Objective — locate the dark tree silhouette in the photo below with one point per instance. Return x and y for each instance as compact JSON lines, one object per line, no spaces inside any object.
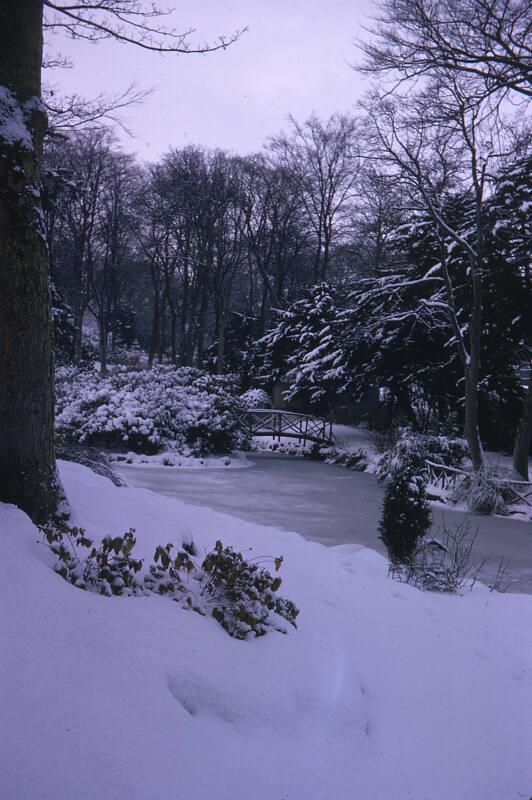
{"x":488,"y":41}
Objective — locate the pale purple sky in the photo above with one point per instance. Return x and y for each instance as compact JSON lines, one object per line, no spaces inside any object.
{"x":294,"y":59}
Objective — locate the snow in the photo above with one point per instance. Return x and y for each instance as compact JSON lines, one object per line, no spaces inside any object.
{"x":237,"y":460}
{"x":13,"y":128}
{"x":174,"y":408}
{"x":382,"y":691}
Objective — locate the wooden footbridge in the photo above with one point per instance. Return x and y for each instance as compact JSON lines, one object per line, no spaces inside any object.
{"x":277,"y":423}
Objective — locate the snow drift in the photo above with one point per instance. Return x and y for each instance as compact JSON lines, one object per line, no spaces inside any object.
{"x":383,"y":691}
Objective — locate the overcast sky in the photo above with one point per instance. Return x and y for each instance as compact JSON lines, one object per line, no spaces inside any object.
{"x":295,"y":58}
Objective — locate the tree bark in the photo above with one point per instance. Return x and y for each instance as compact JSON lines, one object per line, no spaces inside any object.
{"x":28,"y":475}
{"x":523,"y":436}
{"x":220,"y":351}
{"x":471,"y":431}
{"x":102,"y":336}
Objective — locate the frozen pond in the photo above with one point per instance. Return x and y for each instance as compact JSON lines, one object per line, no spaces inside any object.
{"x":327,"y":504}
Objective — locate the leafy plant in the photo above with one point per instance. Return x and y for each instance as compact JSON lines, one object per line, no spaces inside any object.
{"x":242,"y":594}
{"x":165,"y":574}
{"x":405,"y":514}
{"x":238,"y":593}
{"x":109,"y":569}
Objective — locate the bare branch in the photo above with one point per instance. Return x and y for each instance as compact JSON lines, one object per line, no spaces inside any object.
{"x":129,"y":22}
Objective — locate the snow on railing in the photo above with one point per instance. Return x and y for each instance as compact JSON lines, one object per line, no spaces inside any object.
{"x":446,"y":478}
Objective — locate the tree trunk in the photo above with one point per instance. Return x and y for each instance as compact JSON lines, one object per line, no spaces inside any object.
{"x":523,"y":436}
{"x":28,"y":475}
{"x":220,"y":353}
{"x":102,"y":326}
{"x":471,"y":432}
{"x":201,"y":323}
{"x":405,"y":404}
{"x":78,"y":333}
{"x":472,"y":368}
{"x":173,"y":335}
{"x":154,"y":339}
{"x":162,"y":333}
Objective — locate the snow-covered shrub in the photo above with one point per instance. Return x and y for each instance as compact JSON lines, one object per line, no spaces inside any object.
{"x":108,"y":569}
{"x":165,"y":574}
{"x":151,"y":409}
{"x":356,"y":460}
{"x":255,"y":398}
{"x":405,"y":513}
{"x":291,"y":447}
{"x":243,"y":595}
{"x":415,"y":448}
{"x":483,"y":491}
{"x":238,"y":593}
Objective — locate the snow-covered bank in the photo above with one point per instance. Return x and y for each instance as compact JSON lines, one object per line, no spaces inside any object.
{"x":237,"y":460}
{"x":382,"y":691}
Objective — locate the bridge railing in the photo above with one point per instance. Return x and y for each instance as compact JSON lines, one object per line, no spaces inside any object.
{"x":447,"y":477}
{"x":291,"y":424}
{"x":442,"y":475}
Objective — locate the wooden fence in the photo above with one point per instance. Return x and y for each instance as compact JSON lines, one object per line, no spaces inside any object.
{"x":447,"y":477}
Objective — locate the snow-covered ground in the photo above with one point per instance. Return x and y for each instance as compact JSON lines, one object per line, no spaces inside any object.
{"x":382,"y":692}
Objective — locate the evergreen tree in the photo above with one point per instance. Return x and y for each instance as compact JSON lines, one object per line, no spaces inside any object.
{"x":406,"y":514}
{"x":309,"y":346}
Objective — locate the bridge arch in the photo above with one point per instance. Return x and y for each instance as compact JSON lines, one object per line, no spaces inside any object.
{"x":291,"y":424}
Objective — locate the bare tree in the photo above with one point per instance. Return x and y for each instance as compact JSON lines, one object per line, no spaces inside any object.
{"x":488,"y":41}
{"x":85,"y":159}
{"x":276,"y":234}
{"x":324,"y":159}
{"x":442,"y":140}
{"x":114,"y":234}
{"x":27,"y":463}
{"x":377,"y":212}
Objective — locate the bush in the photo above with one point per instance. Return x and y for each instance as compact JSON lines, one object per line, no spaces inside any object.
{"x":149,"y":410}
{"x":356,"y":460}
{"x":405,"y":514}
{"x":447,"y":565}
{"x":238,"y":593}
{"x":243,"y":595}
{"x":483,"y":491}
{"x":109,"y":569}
{"x":415,"y":448}
{"x":255,"y":398}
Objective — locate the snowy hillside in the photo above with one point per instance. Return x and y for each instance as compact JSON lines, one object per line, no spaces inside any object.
{"x":381,"y":692}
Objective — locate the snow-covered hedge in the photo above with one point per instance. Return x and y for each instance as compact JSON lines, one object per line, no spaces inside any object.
{"x":256,"y":398}
{"x":148,"y":410}
{"x":415,"y":449}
